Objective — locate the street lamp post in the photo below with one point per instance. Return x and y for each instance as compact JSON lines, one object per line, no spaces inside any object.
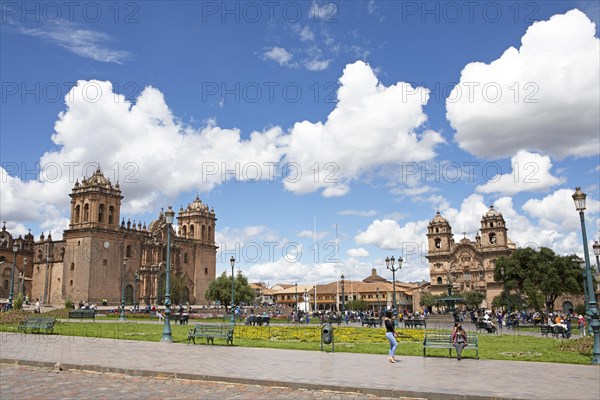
{"x":45,"y":300}
{"x":15,"y":248}
{"x":592,"y":311}
{"x":122,"y":316}
{"x":136,"y":279}
{"x":167,"y":335}
{"x":343,"y":297}
{"x":378,"y":304}
{"x":389,"y":264}
{"x":23,"y":278}
{"x":232,"y":261}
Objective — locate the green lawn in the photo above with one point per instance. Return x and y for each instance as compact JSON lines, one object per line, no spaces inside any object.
{"x":519,"y":345}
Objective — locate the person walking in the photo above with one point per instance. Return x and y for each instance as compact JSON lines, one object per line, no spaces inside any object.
{"x":390,"y":334}
{"x":459,"y":339}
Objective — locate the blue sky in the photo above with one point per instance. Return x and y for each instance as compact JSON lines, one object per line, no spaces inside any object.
{"x":361,"y":118}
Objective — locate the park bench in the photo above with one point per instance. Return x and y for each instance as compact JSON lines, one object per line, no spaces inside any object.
{"x":545,"y":330}
{"x":182,"y":319}
{"x":257,"y":320}
{"x":36,"y":324}
{"x":408,"y":323}
{"x":212,"y":331}
{"x":439,"y":340}
{"x":334,"y":320}
{"x":371,"y":322}
{"x":487,"y":326}
{"x":81,"y":314}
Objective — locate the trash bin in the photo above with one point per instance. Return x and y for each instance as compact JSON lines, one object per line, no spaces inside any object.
{"x":327,"y":333}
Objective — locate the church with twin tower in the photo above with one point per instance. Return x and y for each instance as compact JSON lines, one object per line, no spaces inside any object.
{"x":100,"y":251}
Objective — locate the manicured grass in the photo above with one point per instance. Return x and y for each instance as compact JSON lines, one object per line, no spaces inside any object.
{"x":520,"y":345}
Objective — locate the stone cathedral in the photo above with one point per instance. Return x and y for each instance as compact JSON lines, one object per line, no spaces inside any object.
{"x":100,"y":250}
{"x":467,"y":265}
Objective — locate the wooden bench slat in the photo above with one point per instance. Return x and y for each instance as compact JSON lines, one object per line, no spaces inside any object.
{"x":211,"y":331}
{"x":444,"y":341}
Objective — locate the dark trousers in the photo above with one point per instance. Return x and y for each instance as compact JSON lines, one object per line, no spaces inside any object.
{"x":459,"y":348}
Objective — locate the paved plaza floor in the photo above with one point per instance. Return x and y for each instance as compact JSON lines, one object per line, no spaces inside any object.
{"x":431,"y":377}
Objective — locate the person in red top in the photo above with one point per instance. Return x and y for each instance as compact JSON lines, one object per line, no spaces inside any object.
{"x":459,"y":339}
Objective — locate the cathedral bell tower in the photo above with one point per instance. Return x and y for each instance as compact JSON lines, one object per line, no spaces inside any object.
{"x":439,"y":235}
{"x":95,"y":203}
{"x":197,"y":222}
{"x":493,"y":229}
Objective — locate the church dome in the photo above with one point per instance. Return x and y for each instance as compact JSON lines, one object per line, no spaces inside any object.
{"x":438,"y":219}
{"x":197,"y":205}
{"x":97,"y":179}
{"x":492,"y":212}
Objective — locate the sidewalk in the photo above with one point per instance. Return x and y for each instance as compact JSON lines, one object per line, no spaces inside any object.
{"x":436,"y":378}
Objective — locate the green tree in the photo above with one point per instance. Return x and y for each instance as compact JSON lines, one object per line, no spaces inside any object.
{"x":427,"y":300}
{"x":220,"y":290}
{"x":356,"y":305}
{"x":539,"y":275}
{"x":472,"y":299}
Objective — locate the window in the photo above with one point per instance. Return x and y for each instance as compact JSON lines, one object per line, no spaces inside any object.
{"x":77,"y":214}
{"x":210,"y":235}
{"x":492,"y":238}
{"x":192,"y":231}
{"x":71,"y":282}
{"x":185,"y":258}
{"x":86,"y":212}
{"x":105,"y":262}
{"x":205,"y":271}
{"x":438,"y":243}
{"x":203,"y":237}
{"x":128,"y":251}
{"x":184,"y":231}
{"x":72,"y":266}
{"x":439,"y":280}
{"x":111,"y":215}
{"x":101,"y":213}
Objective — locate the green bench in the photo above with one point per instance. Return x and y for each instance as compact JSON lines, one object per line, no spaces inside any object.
{"x":334,"y":320}
{"x":212,"y":331}
{"x":81,"y":314}
{"x":371,"y":322}
{"x":413,"y":323}
{"x":444,"y":341}
{"x":36,"y":324}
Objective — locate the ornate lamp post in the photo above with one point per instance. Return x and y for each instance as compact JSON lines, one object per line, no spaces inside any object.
{"x":343,"y":297}
{"x":45,"y":300}
{"x":15,"y":248}
{"x":296,"y":305}
{"x":389,"y":264}
{"x":592,"y":311}
{"x":122,"y":316}
{"x":23,"y":278}
{"x":306,"y":299}
{"x":167,"y":336}
{"x":136,"y":279}
{"x":378,"y":304}
{"x":232,"y":261}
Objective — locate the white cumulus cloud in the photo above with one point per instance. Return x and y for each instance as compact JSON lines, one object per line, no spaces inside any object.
{"x":543,"y":96}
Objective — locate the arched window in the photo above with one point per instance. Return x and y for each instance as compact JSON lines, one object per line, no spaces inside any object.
{"x":439,"y":280}
{"x":203,"y":237}
{"x":192,"y":231}
{"x":185,"y":258}
{"x":111,"y":215}
{"x":72,"y":266}
{"x":491,"y":224}
{"x":184,"y":231}
{"x":86,"y":212}
{"x":101,"y":213}
{"x":492,"y":238}
{"x":437,"y":230}
{"x":438,"y":243}
{"x":77,"y":213}
{"x":210,"y":234}
{"x":62,"y":253}
{"x":128,"y":251}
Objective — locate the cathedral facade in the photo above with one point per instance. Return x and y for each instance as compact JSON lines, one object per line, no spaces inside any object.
{"x":97,"y":254}
{"x":467,"y":265}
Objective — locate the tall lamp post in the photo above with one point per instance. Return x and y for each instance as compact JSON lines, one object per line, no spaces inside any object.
{"x":136,"y":279}
{"x":167,"y":335}
{"x":23,"y":278}
{"x":122,"y":316}
{"x":306,"y":299}
{"x":232,"y":261}
{"x":389,"y":264}
{"x":592,"y":311}
{"x":15,"y":248}
{"x":378,"y":304}
{"x":45,"y":300}
{"x":343,"y":297}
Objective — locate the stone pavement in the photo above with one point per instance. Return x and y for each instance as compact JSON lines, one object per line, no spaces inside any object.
{"x":431,"y":377}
